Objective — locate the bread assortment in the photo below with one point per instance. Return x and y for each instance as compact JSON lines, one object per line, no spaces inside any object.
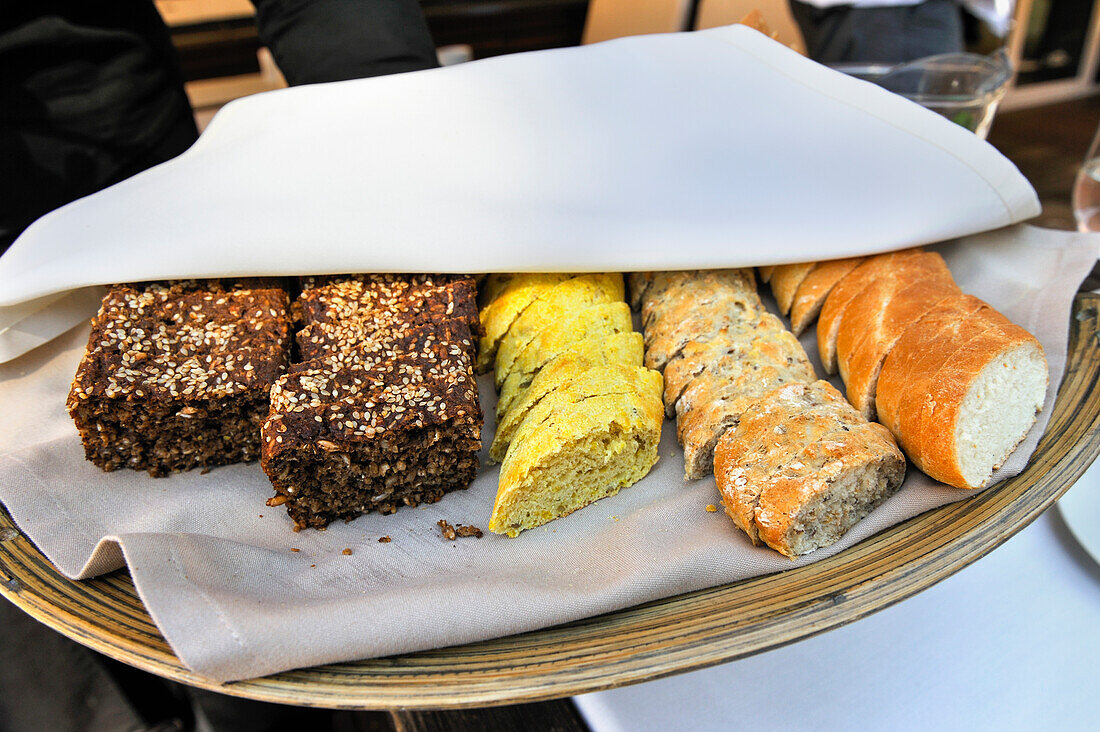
{"x":579,"y":417}
{"x":957,"y":384}
{"x":380,"y":407}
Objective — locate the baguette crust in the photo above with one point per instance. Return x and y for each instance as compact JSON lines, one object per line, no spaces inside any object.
{"x":910,"y":367}
{"x":786,"y":280}
{"x":867,"y":306}
{"x":938,"y":442}
{"x":811,"y":294}
{"x":766,"y":273}
{"x":882,"y":329}
{"x":828,"y":325}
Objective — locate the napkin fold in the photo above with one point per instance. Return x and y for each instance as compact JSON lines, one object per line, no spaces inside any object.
{"x":216,"y":570}
{"x":709,"y":149}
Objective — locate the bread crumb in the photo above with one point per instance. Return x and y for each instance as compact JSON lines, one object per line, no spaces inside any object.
{"x":711,"y":508}
{"x":295,"y":549}
{"x":452,"y":532}
{"x":347,"y":551}
{"x":384,"y":539}
{"x":313,"y":565}
{"x":614,"y":518}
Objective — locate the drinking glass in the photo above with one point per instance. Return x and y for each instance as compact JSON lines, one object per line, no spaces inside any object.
{"x":1086,"y":189}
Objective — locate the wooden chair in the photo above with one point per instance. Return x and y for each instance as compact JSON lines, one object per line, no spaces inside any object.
{"x":609,"y":19}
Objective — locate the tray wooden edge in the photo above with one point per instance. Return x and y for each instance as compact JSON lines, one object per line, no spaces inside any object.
{"x":650,"y":641}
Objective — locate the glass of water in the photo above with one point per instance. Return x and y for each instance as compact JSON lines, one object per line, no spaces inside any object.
{"x":1086,"y":189}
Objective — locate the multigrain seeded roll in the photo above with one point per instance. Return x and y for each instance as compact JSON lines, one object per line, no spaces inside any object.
{"x":570,"y":452}
{"x":402,"y":431}
{"x":802,"y":467}
{"x":176,"y":374}
{"x":729,"y":342}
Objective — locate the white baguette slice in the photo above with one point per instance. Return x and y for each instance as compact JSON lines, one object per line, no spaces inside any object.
{"x":811,"y":294}
{"x":766,"y":273}
{"x":960,"y":406}
{"x":881,"y":328}
{"x":802,"y":467}
{"x":785,"y":281}
{"x":828,"y":324}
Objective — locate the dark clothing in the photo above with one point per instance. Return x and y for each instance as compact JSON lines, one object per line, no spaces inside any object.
{"x":885,"y":35}
{"x":91,"y":92}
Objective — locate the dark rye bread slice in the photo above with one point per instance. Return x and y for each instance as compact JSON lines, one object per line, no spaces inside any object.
{"x":176,"y":375}
{"x":337,"y":315}
{"x":403,"y":431}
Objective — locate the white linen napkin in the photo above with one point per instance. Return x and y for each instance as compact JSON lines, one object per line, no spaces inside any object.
{"x":710,"y":149}
{"x":215,"y":569}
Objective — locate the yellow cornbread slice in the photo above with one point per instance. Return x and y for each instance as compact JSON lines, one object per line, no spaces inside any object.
{"x":561,"y":301}
{"x":568,"y":454}
{"x":587,"y":330}
{"x":508,"y":295}
{"x":580,"y":377}
{"x":624,"y":348}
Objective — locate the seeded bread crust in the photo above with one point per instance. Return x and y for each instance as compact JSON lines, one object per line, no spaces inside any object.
{"x":176,"y":375}
{"x":402,"y":431}
{"x":713,"y":404}
{"x":697,"y":356}
{"x":339,"y":311}
{"x":811,"y":294}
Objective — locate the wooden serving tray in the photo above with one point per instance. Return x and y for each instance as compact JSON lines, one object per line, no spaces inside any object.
{"x":657,"y":639}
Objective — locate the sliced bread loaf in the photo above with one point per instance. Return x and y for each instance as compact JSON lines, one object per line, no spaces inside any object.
{"x":811,"y":294}
{"x":569,"y":453}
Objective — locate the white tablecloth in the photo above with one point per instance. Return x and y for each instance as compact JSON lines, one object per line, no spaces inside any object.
{"x":1011,"y":642}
